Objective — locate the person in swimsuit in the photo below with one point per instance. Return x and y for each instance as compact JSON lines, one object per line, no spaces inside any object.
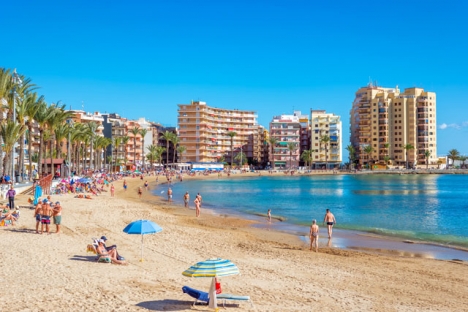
{"x":169,"y":195}
{"x":111,"y":253}
{"x":112,"y":189}
{"x":140,"y":191}
{"x":330,"y":220}
{"x":314,"y":235}
{"x":45,"y":216}
{"x":197,"y":207}
{"x":146,"y":185}
{"x":199,"y":199}
{"x":57,"y":213}
{"x":269,"y":215}
{"x":125,"y":184}
{"x":186,"y":199}
{"x":37,"y":215}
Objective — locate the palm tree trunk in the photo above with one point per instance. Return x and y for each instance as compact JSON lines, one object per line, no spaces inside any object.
{"x":51,"y":157}
{"x":39,"y":158}
{"x":29,"y":151}
{"x":134,"y":151}
{"x":143,"y":152}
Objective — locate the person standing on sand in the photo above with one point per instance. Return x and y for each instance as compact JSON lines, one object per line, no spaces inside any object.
{"x":197,"y":207}
{"x":37,"y":215}
{"x":146,"y":184}
{"x":330,"y":219}
{"x":11,"y":197}
{"x":199,"y":199}
{"x":314,"y":235}
{"x":140,"y":191}
{"x":112,"y":189}
{"x":57,"y":214}
{"x":169,"y":195}
{"x":269,"y":215}
{"x":125,"y":184}
{"x":186,"y":199}
{"x":45,"y":216}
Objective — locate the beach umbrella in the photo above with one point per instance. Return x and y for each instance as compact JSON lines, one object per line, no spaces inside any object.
{"x":213,"y":268}
{"x":142,"y":227}
{"x":85,"y":180}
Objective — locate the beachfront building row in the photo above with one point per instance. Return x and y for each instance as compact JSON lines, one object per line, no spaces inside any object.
{"x":293,"y":135}
{"x":207,"y":132}
{"x":393,"y":127}
{"x":132,"y":147}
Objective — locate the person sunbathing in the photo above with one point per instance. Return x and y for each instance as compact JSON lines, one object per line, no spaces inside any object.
{"x":112,"y":254}
{"x":7,"y":215}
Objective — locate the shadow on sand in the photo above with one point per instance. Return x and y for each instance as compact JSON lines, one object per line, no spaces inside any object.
{"x":83,"y":258}
{"x":166,"y":305}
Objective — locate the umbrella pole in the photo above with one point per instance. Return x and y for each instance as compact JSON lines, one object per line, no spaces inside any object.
{"x":213,"y":303}
{"x":141,"y":259}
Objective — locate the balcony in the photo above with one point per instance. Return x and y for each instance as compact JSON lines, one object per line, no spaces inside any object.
{"x":383,"y":116}
{"x":383,"y":121}
{"x":423,"y":140}
{"x":423,"y":116}
{"x":423,"y":133}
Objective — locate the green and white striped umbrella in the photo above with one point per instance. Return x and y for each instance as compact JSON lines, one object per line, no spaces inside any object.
{"x":212,"y":268}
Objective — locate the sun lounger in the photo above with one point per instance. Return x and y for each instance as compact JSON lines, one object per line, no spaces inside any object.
{"x":197,"y":294}
{"x":225,"y":297}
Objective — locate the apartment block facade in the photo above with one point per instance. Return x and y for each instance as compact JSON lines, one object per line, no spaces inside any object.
{"x":326,"y":139}
{"x":287,"y":129}
{"x":398,"y":126}
{"x":203,"y":130}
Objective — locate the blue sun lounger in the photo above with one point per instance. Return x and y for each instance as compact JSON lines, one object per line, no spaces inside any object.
{"x":225,"y":297}
{"x":197,"y":294}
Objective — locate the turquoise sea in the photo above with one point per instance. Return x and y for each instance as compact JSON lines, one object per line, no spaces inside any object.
{"x":430,"y":208}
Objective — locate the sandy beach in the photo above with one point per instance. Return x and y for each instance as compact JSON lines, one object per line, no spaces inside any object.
{"x":55,"y":273}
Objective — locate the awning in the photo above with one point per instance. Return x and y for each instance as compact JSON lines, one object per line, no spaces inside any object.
{"x":55,"y":161}
{"x":283,"y":143}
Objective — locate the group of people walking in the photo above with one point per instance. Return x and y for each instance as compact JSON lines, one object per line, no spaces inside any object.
{"x":330,"y":220}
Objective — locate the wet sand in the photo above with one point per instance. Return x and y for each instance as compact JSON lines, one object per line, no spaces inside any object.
{"x":279,"y":273}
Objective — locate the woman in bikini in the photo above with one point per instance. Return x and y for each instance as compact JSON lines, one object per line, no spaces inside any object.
{"x":140,"y":191}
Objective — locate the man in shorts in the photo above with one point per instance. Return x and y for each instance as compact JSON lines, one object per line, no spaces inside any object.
{"x":331,"y":221}
{"x":314,"y":235}
{"x":57,"y":214}
{"x":45,"y":216}
{"x":37,"y":215}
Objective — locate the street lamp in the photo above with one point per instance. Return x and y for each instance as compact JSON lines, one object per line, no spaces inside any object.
{"x":70,"y":123}
{"x":16,"y":81}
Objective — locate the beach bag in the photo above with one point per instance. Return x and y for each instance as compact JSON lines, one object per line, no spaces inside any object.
{"x":218,"y":287}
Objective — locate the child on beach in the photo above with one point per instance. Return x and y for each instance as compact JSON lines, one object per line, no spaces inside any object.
{"x":140,"y":191}
{"x":269,"y":215}
{"x":314,"y":235}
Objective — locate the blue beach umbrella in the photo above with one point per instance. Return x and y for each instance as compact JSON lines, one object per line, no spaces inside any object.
{"x":85,"y":180}
{"x":212,"y":268}
{"x":142,"y":227}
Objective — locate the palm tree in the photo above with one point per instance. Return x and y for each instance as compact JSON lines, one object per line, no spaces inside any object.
{"x":143,"y":133}
{"x":386,"y":160}
{"x":291,"y":149}
{"x":158,"y":152}
{"x":351,"y":155}
{"x":453,"y":154}
{"x":307,"y":157}
{"x":91,"y":129}
{"x":427,"y":154}
{"x":10,"y":131}
{"x":175,"y":141}
{"x":232,"y":134}
{"x":77,"y":135}
{"x":462,"y":159}
{"x":125,"y":140}
{"x":135,"y":131}
{"x":180,"y":150}
{"x":241,"y":158}
{"x":408,"y":147}
{"x":168,"y":137}
{"x":151,"y":155}
{"x":117,"y":141}
{"x":272,"y":141}
{"x":368,"y":150}
{"x":33,"y":104}
{"x":43,"y":114}
{"x":324,"y":139}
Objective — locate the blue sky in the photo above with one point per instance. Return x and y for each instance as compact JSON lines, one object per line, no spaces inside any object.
{"x":142,"y":58}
